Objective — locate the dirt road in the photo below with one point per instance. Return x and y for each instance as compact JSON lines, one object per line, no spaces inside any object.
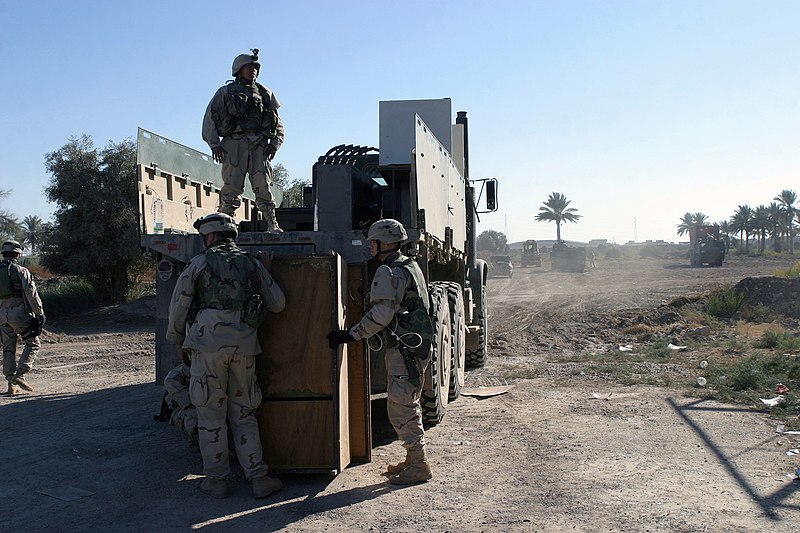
{"x":564,"y":450}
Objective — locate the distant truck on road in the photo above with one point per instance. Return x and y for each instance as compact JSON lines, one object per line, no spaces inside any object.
{"x":705,"y":246}
{"x":530,"y":254}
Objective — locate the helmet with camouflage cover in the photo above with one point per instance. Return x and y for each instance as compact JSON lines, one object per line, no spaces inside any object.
{"x":387,"y":230}
{"x":216,"y":222}
{"x":12,"y":246}
{"x":245,"y":59}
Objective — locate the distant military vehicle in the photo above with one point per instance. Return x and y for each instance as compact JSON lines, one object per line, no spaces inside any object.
{"x":705,"y":246}
{"x":530,"y":254}
{"x":565,"y":258}
{"x":500,"y":266}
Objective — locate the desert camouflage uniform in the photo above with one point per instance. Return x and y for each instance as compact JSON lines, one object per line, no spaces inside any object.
{"x":390,"y":286}
{"x":16,"y":308}
{"x":244,"y":140}
{"x":223,"y":347}
{"x":184,"y":414}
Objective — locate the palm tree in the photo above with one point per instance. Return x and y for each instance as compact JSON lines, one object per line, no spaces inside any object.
{"x":787,"y":199}
{"x":9,"y":226}
{"x":775,"y":225}
{"x":32,"y":227}
{"x":740,"y":222}
{"x":700,"y":218}
{"x":725,"y":233}
{"x":760,"y":224}
{"x":687,"y":221}
{"x":556,"y":209}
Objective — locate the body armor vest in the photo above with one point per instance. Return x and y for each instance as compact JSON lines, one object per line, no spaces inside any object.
{"x":246,"y":110}
{"x":10,"y":284}
{"x":231,"y":281}
{"x":414,"y":315}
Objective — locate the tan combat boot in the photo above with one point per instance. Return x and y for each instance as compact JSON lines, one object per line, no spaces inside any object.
{"x":12,"y":388}
{"x":417,"y":472}
{"x":22,"y":383}
{"x":399,"y":467}
{"x":216,"y":488}
{"x":264,"y":486}
{"x":272,"y":221}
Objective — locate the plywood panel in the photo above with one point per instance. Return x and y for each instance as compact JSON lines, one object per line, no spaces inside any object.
{"x":297,"y":361}
{"x":305,"y":416}
{"x":358,"y":371}
{"x":298,"y":435}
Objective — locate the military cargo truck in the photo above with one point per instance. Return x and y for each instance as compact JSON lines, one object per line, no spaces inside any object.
{"x":705,"y":245}
{"x":419,"y":176}
{"x":564,"y":258}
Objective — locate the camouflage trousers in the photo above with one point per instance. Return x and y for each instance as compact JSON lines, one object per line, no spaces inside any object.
{"x":14,"y":319}
{"x":245,"y":155}
{"x":403,"y":407}
{"x":184,"y":414}
{"x":223,"y":387}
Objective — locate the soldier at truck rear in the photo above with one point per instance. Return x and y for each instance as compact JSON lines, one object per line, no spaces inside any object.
{"x":220,"y":299}
{"x":399,"y":316}
{"x":244,"y":131}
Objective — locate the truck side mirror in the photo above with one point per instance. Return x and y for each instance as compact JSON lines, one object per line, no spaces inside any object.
{"x":491,"y":195}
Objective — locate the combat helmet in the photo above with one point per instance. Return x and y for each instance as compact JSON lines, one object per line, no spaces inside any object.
{"x":12,"y":246}
{"x":215,"y":222}
{"x":387,"y":230}
{"x":245,"y":59}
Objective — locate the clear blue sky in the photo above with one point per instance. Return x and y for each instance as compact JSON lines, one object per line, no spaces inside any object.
{"x":635,"y":110}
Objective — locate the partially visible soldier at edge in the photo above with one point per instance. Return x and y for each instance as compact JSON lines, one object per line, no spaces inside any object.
{"x":21,"y":314}
{"x":244,"y":131}
{"x":399,"y":316}
{"x":220,"y":299}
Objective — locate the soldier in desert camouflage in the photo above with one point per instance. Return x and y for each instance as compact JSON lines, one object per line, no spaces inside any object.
{"x":219,"y":301}
{"x":183,"y":415}
{"x":399,"y":316}
{"x":21,"y":315}
{"x":244,"y":131}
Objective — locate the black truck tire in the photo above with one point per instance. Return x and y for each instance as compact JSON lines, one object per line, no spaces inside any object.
{"x":434,"y":399}
{"x":458,"y":339}
{"x":477,"y":355}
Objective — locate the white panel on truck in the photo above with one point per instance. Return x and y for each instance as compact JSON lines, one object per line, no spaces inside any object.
{"x":440,"y":187}
{"x":397,"y":127}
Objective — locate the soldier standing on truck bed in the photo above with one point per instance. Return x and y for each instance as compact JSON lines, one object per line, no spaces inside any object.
{"x":21,"y":313}
{"x":244,"y":131}
{"x":218,"y":303}
{"x":399,"y":315}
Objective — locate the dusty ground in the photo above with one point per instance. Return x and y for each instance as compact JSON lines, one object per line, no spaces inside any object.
{"x":565,"y":450}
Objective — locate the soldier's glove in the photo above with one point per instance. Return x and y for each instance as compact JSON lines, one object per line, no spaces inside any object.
{"x":339,"y":336}
{"x":34,"y":328}
{"x":218,"y":154}
{"x":270,"y":151}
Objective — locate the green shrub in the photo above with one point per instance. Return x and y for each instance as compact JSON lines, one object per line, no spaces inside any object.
{"x":657,"y":351}
{"x":769,"y":339}
{"x":791,"y":272}
{"x":754,"y":377}
{"x":69,"y":295}
{"x":781,"y":340}
{"x":789,"y":343}
{"x":725,"y":302}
